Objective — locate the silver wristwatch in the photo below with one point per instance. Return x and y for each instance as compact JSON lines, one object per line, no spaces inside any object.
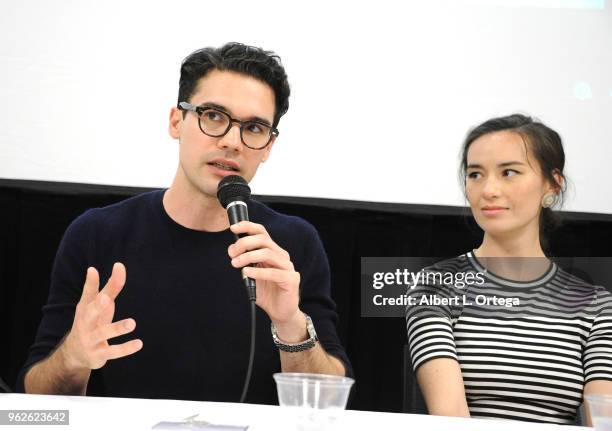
{"x":298,"y":347}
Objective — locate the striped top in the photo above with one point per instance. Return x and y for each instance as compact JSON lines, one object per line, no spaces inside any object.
{"x":525,"y":354}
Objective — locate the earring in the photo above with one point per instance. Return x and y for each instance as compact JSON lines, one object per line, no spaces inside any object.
{"x":548,"y":200}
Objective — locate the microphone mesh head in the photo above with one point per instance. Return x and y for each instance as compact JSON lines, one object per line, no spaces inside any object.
{"x":233,"y":188}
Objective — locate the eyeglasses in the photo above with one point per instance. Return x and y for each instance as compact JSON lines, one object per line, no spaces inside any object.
{"x":216,"y":123}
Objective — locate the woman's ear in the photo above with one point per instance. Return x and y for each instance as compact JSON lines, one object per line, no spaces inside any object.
{"x":560,"y":182}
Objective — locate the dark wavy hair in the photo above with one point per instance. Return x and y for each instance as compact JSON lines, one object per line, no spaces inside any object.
{"x":545,"y":145}
{"x":236,"y":57}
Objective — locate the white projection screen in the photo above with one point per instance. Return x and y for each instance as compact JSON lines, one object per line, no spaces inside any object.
{"x":382,"y":92}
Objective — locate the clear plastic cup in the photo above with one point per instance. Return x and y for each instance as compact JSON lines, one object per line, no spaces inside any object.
{"x":600,"y":407}
{"x":316,"y":399}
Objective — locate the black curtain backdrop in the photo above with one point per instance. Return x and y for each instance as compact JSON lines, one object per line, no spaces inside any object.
{"x":34,"y":216}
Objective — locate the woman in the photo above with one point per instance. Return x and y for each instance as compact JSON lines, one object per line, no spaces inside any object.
{"x":524,"y":340}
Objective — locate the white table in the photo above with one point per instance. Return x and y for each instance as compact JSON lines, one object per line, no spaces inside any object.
{"x":92,"y":413}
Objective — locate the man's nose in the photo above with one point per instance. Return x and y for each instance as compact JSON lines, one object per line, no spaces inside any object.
{"x":231,"y":140}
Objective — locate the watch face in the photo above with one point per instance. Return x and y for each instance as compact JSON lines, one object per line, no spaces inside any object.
{"x":310,"y":328}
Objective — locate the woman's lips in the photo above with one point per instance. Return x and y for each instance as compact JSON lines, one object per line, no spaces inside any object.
{"x":493,"y":211}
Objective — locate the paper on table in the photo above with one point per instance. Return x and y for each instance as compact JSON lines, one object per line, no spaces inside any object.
{"x":195,"y":425}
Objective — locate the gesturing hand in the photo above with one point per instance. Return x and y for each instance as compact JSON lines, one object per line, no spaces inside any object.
{"x":86,"y":346}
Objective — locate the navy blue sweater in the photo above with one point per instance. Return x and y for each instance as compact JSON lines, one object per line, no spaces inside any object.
{"x":189,"y":303}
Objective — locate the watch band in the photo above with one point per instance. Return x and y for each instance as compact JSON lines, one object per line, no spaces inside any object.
{"x":297,"y":347}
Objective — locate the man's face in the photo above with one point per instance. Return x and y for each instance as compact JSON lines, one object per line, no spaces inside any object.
{"x":205,"y":160}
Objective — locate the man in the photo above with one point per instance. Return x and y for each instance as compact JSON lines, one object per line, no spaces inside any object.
{"x":174,"y":304}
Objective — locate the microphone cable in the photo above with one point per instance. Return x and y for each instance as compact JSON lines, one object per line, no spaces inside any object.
{"x":247,"y":380}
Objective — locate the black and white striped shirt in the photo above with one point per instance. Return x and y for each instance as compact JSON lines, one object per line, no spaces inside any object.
{"x":528,"y":361}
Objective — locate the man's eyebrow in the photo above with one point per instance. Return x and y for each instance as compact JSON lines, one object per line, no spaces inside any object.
{"x":259,"y":120}
{"x":227,"y":111}
{"x":215,"y":106}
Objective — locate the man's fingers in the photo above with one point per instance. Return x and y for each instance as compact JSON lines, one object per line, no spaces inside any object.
{"x":247,"y":243}
{"x":116,"y":281}
{"x":283,"y":278}
{"x":265,"y":256}
{"x":113,"y":330}
{"x":94,"y":310}
{"x":90,"y":288}
{"x":122,"y":350}
{"x":106,"y":316}
{"x":98,"y":307}
{"x":248,"y":228}
{"x":254,"y":242}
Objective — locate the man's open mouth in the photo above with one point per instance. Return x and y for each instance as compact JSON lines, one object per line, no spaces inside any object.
{"x":223,"y":166}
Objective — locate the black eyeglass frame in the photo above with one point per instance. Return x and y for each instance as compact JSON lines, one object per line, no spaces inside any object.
{"x":199,"y":110}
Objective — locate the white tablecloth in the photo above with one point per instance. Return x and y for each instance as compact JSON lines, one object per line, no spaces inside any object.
{"x":91,"y":413}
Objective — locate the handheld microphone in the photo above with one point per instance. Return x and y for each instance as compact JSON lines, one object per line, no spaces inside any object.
{"x":233,"y":192}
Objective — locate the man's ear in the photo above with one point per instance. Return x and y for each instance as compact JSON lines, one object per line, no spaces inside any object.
{"x":175,"y":122}
{"x":268,"y":149}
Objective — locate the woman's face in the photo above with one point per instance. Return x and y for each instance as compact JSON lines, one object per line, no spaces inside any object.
{"x":504,"y":184}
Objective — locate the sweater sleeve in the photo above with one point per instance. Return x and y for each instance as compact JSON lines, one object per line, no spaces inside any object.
{"x":310,"y":260}
{"x":597,"y":354}
{"x":429,"y":322}
{"x":67,"y":278}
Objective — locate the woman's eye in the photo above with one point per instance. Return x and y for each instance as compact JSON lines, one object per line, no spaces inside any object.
{"x":510,"y":172}
{"x":474,"y":175}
